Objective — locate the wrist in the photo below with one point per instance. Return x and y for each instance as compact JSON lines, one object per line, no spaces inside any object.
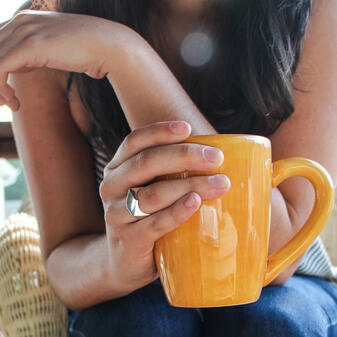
{"x":113,"y":276}
{"x":116,"y":44}
{"x":146,"y":88}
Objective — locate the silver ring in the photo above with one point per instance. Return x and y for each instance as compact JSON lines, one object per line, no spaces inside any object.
{"x":132,"y":204}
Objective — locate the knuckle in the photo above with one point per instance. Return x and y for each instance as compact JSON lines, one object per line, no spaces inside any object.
{"x":107,"y":169}
{"x":176,"y":216}
{"x":161,"y":126}
{"x":148,"y":195}
{"x":103,"y":190}
{"x":153,"y":224}
{"x":129,"y":143}
{"x":185,"y":150}
{"x":141,"y":160}
{"x":155,"y":130}
{"x":194,"y":183}
{"x":109,"y":215}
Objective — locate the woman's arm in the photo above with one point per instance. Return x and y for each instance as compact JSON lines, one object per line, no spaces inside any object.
{"x":94,"y":255}
{"x":59,"y":171}
{"x":148,"y":91}
{"x":160,"y":97}
{"x":311,"y":132}
{"x":76,"y":235}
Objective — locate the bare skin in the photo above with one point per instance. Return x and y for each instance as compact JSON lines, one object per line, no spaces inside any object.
{"x":76,"y":235}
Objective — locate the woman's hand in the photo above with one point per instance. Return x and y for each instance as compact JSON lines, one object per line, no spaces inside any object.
{"x":70,"y":42}
{"x":146,"y":153}
{"x":144,"y":85}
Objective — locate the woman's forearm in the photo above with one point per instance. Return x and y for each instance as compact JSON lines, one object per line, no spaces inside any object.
{"x":85,"y":279}
{"x":79,"y":271}
{"x":149,"y":92}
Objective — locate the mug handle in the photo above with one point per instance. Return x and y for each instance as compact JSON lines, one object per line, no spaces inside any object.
{"x":324,"y":193}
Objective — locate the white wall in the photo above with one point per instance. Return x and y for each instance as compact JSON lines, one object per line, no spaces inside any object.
{"x":8,"y":7}
{"x":11,"y":207}
{"x":8,"y":177}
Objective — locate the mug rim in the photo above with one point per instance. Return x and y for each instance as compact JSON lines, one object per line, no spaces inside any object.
{"x":233,"y":135}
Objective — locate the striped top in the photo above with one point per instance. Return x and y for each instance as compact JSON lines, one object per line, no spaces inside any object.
{"x":315,"y":262}
{"x":100,"y":161}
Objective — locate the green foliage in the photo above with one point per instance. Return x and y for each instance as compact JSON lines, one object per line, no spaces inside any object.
{"x":19,"y":189}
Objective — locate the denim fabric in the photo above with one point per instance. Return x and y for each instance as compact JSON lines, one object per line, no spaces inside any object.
{"x":143,"y":313}
{"x":303,"y":307}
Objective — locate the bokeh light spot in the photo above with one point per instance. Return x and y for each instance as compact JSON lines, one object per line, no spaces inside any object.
{"x":197,"y":49}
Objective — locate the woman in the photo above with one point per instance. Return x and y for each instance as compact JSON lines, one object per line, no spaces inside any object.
{"x":255,"y":79}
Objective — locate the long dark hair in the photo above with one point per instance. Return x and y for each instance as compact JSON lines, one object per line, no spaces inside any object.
{"x":248,"y":86}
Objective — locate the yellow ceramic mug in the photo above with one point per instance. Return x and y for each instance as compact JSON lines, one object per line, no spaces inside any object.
{"x":219,"y":256}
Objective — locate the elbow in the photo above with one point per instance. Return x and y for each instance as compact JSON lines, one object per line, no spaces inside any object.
{"x":54,"y":280}
{"x":281,"y":279}
{"x":59,"y":289}
{"x":56,"y":283}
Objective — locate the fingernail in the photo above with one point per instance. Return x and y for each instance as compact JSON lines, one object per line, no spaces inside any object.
{"x":190,"y":201}
{"x":213,"y":155}
{"x":219,"y":180}
{"x":178,"y":127}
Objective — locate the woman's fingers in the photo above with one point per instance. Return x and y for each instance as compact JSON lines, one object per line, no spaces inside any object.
{"x":5,"y":89}
{"x":13,"y":104}
{"x":142,"y":168}
{"x":163,"y":194}
{"x":157,"y":225}
{"x":151,"y":135}
{"x":7,"y":92}
{"x":18,"y":58}
{"x":3,"y":101}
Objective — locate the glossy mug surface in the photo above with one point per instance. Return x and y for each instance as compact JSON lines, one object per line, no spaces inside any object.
{"x":219,"y":256}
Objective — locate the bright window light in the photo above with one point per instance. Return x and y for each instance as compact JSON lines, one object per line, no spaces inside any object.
{"x":8,"y":8}
{"x":5,"y":115}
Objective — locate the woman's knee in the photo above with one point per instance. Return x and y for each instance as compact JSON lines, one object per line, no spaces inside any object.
{"x":280,"y":311}
{"x":143,"y":313}
{"x":271,"y":316}
{"x":249,"y":321}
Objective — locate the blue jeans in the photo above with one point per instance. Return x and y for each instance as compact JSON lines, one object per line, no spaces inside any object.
{"x":303,"y":307}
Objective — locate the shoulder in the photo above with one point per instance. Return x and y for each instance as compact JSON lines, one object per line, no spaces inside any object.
{"x":311,"y":130}
{"x":320,"y":41}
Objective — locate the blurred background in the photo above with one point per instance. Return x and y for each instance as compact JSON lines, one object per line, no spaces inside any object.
{"x":12,"y":182}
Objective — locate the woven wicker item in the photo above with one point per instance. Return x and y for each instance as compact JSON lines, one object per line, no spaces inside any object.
{"x":43,"y":5}
{"x":26,"y":206}
{"x":28,"y":305}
